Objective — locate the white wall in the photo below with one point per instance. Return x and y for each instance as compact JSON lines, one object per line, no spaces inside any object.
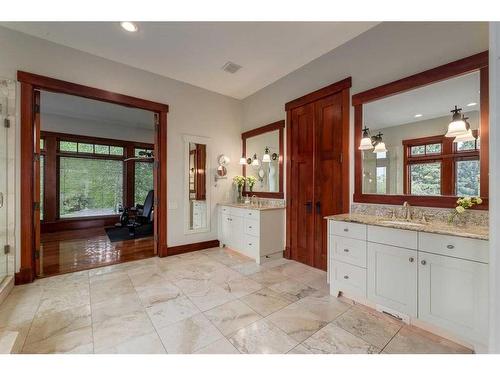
{"x":494,"y":187}
{"x":383,"y":54}
{"x":92,"y":128}
{"x":192,"y":110}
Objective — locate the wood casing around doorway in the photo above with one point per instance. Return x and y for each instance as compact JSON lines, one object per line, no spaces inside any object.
{"x":317,"y":169}
{"x":30,"y":84}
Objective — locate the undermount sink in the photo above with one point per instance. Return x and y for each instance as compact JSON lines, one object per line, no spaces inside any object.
{"x":402,"y":223}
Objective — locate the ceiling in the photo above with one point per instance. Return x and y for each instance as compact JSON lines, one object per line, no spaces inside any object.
{"x":82,"y":108}
{"x":194,"y":52}
{"x":432,"y":101}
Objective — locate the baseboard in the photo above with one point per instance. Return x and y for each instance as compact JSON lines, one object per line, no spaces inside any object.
{"x":5,"y":287}
{"x":181,"y":249}
{"x":24,"y":276}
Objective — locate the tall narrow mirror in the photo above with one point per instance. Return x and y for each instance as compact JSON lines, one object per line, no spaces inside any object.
{"x":197,"y":197}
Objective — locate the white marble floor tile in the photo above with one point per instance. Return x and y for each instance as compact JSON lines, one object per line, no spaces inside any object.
{"x":222,"y":346}
{"x":240,"y":286}
{"x":75,"y":342}
{"x":292,"y":290}
{"x":412,"y":340}
{"x":334,"y":340}
{"x":266,"y":301}
{"x":171,"y":311}
{"x":262,"y":337}
{"x":189,"y":335}
{"x":146,"y":344}
{"x":370,"y":325}
{"x":232,"y":316}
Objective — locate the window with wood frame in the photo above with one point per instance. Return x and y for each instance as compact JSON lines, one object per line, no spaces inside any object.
{"x":438,"y":166}
{"x":85,"y":177}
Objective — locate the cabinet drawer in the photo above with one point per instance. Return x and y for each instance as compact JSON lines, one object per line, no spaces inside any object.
{"x":350,"y":230}
{"x":252,"y":214}
{"x":235,"y":211}
{"x":348,"y":250}
{"x":458,"y":247}
{"x":251,"y":227}
{"x":251,"y":246}
{"x":347,"y":278}
{"x":225,"y":210}
{"x":393,"y":237}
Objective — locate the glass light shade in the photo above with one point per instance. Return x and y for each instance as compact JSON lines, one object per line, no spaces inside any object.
{"x":255,"y":162}
{"x":456,"y":128}
{"x":365,"y":144}
{"x":467,"y":136}
{"x":266,"y":158}
{"x":243,"y":160}
{"x":380,"y":147}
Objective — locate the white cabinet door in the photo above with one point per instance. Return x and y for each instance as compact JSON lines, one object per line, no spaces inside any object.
{"x":226,"y":229}
{"x":392,"y":277}
{"x":453,"y":294}
{"x":237,"y":233}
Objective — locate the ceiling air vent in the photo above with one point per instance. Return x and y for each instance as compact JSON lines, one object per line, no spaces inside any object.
{"x":231,"y":67}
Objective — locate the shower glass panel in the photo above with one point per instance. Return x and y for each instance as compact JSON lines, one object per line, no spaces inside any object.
{"x":7,"y":110}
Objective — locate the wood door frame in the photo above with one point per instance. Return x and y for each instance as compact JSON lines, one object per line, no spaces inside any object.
{"x":33,"y":82}
{"x":278,"y":125}
{"x":475,"y":63}
{"x":343,"y":87}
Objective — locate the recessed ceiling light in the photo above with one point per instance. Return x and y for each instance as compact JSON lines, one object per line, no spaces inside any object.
{"x":231,"y":67}
{"x":418,"y":115}
{"x":129,"y":26}
{"x":472,"y":104}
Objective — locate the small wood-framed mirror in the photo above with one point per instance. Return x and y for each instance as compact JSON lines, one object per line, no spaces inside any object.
{"x":424,"y":139}
{"x":262,"y":158}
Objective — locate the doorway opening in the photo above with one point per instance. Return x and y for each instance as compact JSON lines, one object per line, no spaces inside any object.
{"x":96,"y":164}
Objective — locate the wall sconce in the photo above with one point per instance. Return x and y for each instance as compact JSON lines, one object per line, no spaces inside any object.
{"x":266,"y":158}
{"x":467,"y":136}
{"x":457,"y":126}
{"x":372,"y":142}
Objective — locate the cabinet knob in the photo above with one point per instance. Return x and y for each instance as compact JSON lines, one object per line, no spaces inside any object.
{"x":250,"y":226}
{"x":423,"y":262}
{"x":346,"y":250}
{"x":346,"y":277}
{"x":249,"y":244}
{"x":346,"y":229}
{"x":450,"y":246}
{"x":411,"y":259}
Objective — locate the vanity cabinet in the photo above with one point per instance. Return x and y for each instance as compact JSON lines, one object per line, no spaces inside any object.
{"x":453,"y":294}
{"x":257,"y":233}
{"x":392,"y":277}
{"x":437,"y":281}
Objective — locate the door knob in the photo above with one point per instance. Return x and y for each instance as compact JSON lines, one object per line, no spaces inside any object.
{"x":423,"y":262}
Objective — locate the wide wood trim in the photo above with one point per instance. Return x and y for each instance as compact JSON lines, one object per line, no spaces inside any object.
{"x":56,"y":85}
{"x":278,"y":125}
{"x":288,"y":220}
{"x":440,"y":73}
{"x":181,"y":249}
{"x":318,"y":94}
{"x":27,"y":273}
{"x":30,"y":83}
{"x":478,"y":62}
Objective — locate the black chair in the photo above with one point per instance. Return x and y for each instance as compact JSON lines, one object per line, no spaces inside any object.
{"x":139,"y":216}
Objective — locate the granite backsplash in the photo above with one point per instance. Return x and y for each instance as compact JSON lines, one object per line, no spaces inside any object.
{"x":432,"y":214}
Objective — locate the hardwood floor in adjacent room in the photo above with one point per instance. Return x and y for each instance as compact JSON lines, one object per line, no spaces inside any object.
{"x":76,"y":250}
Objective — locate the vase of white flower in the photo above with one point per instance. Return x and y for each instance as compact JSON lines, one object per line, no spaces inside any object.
{"x":239,"y":181}
{"x":463,"y":204}
{"x":250,"y":182}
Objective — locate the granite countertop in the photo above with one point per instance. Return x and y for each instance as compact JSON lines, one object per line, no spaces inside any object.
{"x":250,"y":207}
{"x":472,"y":231}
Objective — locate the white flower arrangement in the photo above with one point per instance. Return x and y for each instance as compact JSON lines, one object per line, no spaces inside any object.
{"x":463,"y":204}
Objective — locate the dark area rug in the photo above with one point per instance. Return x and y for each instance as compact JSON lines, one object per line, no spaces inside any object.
{"x":123,"y":234}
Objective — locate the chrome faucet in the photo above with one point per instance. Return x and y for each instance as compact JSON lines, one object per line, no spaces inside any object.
{"x":253,"y":199}
{"x":407,"y":211}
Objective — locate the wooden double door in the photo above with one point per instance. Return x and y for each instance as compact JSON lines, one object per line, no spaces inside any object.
{"x":317,"y":170}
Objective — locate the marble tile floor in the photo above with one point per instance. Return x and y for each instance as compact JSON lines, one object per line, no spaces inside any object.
{"x":213,"y":301}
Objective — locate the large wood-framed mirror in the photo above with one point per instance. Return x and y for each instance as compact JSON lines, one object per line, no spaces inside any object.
{"x":262,"y":158}
{"x":406,"y":147}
